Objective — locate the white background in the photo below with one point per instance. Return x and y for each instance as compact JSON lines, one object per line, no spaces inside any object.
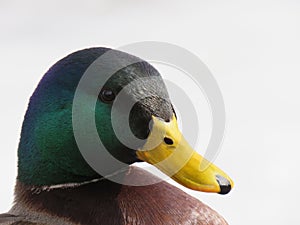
{"x":251,"y":47}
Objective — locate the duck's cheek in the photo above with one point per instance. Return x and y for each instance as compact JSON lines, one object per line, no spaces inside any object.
{"x":168,"y":150}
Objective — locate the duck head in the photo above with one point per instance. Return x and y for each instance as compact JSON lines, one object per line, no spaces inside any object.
{"x":49,"y":155}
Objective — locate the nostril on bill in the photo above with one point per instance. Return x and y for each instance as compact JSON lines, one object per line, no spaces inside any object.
{"x":224,"y":184}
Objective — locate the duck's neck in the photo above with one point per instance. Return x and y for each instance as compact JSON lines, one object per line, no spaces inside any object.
{"x":93,"y":202}
{"x":105,"y":202}
{"x":90,"y":203}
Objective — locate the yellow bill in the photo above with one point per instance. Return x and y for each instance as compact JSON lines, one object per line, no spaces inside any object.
{"x":167,"y":150}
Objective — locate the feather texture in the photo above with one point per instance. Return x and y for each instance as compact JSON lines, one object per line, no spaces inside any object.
{"x":106,"y":203}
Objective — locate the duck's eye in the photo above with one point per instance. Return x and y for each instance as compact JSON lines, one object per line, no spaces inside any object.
{"x":107,"y":95}
{"x":168,"y":141}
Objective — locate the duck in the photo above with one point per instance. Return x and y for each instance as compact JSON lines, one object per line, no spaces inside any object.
{"x":57,"y":183}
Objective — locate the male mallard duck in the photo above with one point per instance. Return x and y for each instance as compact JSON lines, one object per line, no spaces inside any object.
{"x":55,"y":184}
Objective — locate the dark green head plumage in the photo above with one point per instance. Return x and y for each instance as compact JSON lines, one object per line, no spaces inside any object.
{"x":48,"y":153}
